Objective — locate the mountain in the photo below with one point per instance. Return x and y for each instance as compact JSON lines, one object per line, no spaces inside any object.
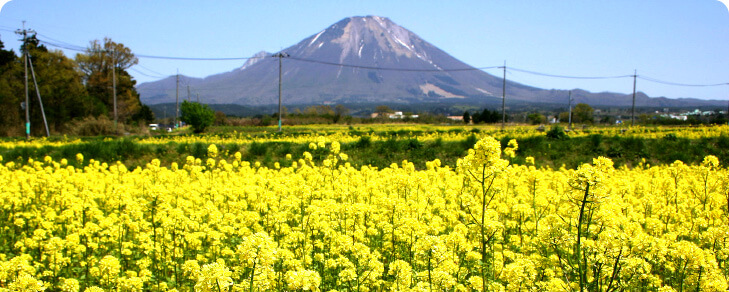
{"x":383,"y":62}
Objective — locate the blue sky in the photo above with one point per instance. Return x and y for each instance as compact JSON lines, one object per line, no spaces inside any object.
{"x":677,"y":41}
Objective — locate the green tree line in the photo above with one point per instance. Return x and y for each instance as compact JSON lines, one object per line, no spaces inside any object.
{"x":73,"y":91}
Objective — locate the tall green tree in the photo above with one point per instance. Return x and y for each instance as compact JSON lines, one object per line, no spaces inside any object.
{"x":145,"y":115}
{"x":6,"y":57}
{"x":96,"y":65}
{"x":60,"y":86}
{"x":11,"y":93}
{"x":582,"y":113}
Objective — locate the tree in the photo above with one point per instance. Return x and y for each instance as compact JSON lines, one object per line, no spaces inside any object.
{"x":198,"y":116}
{"x":383,"y":110}
{"x":487,"y":116}
{"x":536,"y":118}
{"x":11,"y":93}
{"x":6,"y":57}
{"x":339,"y":112}
{"x":476,"y":118}
{"x":582,"y":113}
{"x":96,"y":65}
{"x":59,"y":84}
{"x":564,"y":117}
{"x":220,"y":119}
{"x":466,"y":117}
{"x":145,"y":115}
{"x":320,"y":110}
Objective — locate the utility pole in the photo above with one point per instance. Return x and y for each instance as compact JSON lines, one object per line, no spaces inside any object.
{"x":632,"y":114}
{"x":503,"y":101}
{"x":570,"y":102}
{"x":113,"y":89}
{"x":24,"y":32}
{"x":177,"y":99}
{"x":279,"y":56}
{"x":37,"y":91}
{"x":727,"y":111}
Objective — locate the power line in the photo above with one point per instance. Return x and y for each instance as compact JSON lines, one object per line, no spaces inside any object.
{"x":390,"y":68}
{"x":67,"y":47}
{"x":63,"y":45}
{"x":195,"y":59}
{"x":680,"y":84}
{"x":82,"y":49}
{"x":147,"y":75}
{"x":568,"y":77}
{"x":152,"y":71}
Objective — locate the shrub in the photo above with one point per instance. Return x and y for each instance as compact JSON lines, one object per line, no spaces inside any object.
{"x":198,"y":116}
{"x":91,"y":126}
{"x":670,"y":137}
{"x":556,"y":132}
{"x":364,"y":142}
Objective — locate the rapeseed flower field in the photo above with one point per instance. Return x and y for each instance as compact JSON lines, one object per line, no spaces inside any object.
{"x":488,"y":224}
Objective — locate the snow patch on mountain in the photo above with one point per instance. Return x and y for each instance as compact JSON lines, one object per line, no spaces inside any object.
{"x":316,"y":37}
{"x":484,"y":91}
{"x":427,"y":88}
{"x":254,"y":59}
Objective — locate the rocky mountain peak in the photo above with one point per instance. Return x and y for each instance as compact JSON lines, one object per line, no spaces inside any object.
{"x":364,"y":39}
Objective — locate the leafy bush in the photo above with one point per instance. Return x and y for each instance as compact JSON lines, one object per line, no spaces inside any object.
{"x":364,"y":142}
{"x":198,"y":116}
{"x":556,"y":132}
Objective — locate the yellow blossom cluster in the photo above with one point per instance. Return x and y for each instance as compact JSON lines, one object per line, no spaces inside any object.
{"x":324,"y":225}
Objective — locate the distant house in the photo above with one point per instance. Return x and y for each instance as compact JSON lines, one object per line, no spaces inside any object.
{"x":456,"y":118}
{"x":696,"y":112}
{"x":395,"y":115}
{"x":681,"y":117}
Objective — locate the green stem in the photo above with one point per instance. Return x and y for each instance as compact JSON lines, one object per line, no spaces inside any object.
{"x":579,"y":235}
